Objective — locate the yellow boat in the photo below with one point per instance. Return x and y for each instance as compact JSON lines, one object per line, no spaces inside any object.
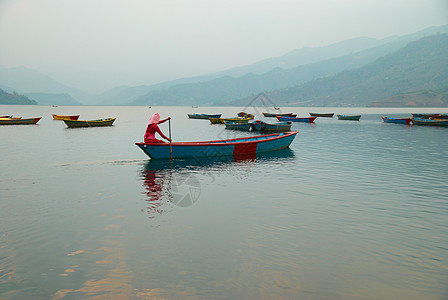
{"x":234,"y":120}
{"x":63,"y":117}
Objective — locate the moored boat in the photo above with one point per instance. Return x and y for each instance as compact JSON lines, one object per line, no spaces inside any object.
{"x":274,"y":115}
{"x":271,"y":127}
{"x":246,"y":115}
{"x":89,"y":123}
{"x":324,"y":115}
{"x":65,"y":117}
{"x":237,"y":126}
{"x":349,"y":117}
{"x":293,"y":119}
{"x":10,"y":117}
{"x":234,"y":147}
{"x":203,"y":116}
{"x":222,"y":120}
{"x":20,"y":121}
{"x":429,"y":116}
{"x":430,"y":122}
{"x":406,"y":121}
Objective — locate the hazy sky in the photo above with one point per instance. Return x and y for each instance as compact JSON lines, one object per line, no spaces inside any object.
{"x":98,"y":44}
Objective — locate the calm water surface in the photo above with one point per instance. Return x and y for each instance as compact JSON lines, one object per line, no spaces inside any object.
{"x":353,"y":210}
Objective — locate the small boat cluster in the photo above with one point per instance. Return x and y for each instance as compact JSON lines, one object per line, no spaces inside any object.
{"x":70,"y":120}
{"x":420,"y":119}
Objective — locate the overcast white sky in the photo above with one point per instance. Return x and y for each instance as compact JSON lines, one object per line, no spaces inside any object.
{"x":98,"y":44}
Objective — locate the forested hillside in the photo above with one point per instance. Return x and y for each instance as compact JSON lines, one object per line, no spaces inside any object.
{"x":14,"y":98}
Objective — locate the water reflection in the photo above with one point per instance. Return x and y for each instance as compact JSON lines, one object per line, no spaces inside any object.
{"x":179,"y":182}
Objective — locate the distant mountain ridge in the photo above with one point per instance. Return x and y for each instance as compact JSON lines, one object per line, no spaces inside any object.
{"x":226,"y":89}
{"x":52,"y":99}
{"x":292,"y":69}
{"x":29,"y":81}
{"x":421,"y":66}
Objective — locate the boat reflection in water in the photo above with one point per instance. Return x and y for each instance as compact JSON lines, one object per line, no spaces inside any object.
{"x":179,"y":182}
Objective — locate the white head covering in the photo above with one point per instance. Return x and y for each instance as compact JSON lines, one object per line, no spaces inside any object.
{"x":154,"y":119}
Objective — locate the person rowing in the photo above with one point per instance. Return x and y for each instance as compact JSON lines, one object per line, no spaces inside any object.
{"x":152,"y":128}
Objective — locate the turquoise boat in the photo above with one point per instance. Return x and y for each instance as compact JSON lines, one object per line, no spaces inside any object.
{"x":239,"y":147}
{"x":350,"y":118}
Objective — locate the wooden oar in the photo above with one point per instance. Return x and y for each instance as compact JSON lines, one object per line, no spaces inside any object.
{"x":171,"y":150}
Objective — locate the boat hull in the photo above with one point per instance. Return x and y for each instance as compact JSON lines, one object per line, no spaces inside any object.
{"x":349,"y":118}
{"x":13,"y":121}
{"x":238,"y":126}
{"x":240,"y":147}
{"x":89,"y":123}
{"x":203,"y":116}
{"x":223,"y":120}
{"x":430,"y":122}
{"x":406,"y":121}
{"x":304,"y":119}
{"x":271,"y":128}
{"x":274,"y":115}
{"x":324,"y":115}
{"x":62,"y":117}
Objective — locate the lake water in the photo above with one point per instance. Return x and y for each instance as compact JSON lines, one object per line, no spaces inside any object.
{"x":352,"y":210}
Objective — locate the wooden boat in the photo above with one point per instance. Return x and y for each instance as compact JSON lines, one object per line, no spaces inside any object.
{"x":237,"y":126}
{"x":10,"y":117}
{"x":292,"y":119}
{"x":350,"y":118}
{"x":89,"y":123}
{"x":406,"y":121}
{"x":222,"y":120}
{"x":221,"y":148}
{"x":430,"y":122}
{"x":324,"y":115}
{"x":271,"y":127}
{"x":270,"y":115}
{"x":203,"y":116}
{"x":246,"y":115}
{"x":64,"y":117}
{"x":14,"y":121}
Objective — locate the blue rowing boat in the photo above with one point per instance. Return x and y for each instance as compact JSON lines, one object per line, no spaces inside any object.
{"x":203,"y":116}
{"x":239,"y":147}
{"x":406,"y":121}
{"x":292,"y":119}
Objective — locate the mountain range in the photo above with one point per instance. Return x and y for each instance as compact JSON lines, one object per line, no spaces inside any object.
{"x":408,"y":76}
{"x":306,"y":77}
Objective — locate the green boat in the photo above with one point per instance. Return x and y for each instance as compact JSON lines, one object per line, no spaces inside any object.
{"x":89,"y":123}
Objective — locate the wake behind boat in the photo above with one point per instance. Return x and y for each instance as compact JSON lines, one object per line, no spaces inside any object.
{"x":234,"y":147}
